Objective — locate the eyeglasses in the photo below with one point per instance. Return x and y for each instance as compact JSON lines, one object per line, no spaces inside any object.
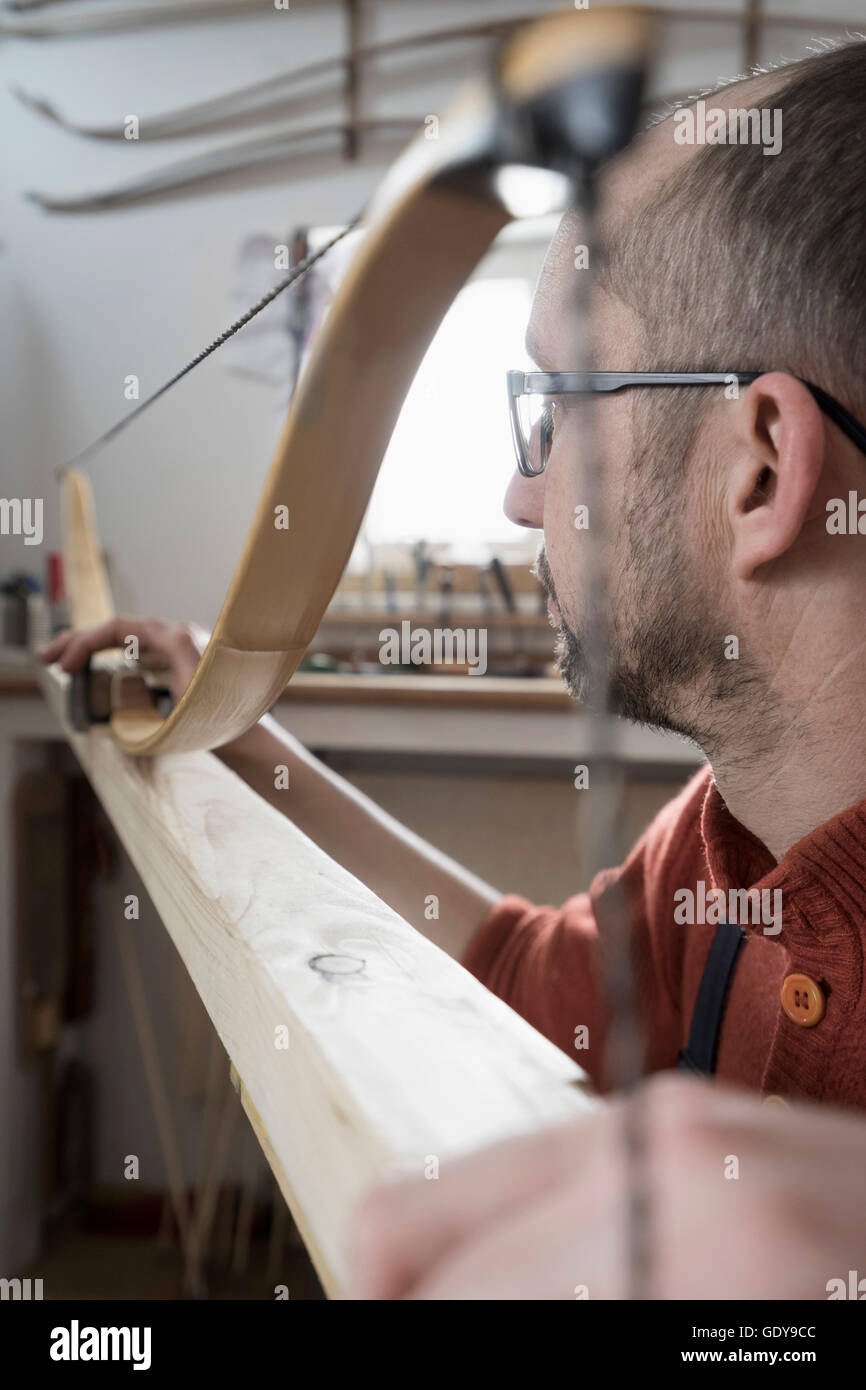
{"x":533,"y":406}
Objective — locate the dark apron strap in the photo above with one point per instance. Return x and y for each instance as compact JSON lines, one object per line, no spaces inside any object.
{"x":706,"y":1026}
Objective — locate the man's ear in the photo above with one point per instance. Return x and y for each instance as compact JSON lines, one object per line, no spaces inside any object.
{"x":780,"y":443}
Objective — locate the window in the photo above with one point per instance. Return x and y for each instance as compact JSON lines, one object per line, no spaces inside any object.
{"x":450,"y":457}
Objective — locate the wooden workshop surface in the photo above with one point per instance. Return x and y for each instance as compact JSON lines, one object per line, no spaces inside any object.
{"x":475,"y":692}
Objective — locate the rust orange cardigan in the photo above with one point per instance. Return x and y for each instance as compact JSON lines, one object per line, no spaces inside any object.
{"x":544,"y":962}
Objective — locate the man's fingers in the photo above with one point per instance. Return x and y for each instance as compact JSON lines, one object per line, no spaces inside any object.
{"x":408,"y":1225}
{"x":72,"y":648}
{"x":84,"y":644}
{"x":565,"y":1243}
{"x":175,"y":646}
{"x":167,"y":641}
{"x":406,"y":1230}
{"x":51,"y":651}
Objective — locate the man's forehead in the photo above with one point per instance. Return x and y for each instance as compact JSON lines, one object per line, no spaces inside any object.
{"x":627,"y":184}
{"x":655,"y":154}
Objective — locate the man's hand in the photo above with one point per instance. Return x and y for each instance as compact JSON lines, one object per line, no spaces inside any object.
{"x":748,"y":1201}
{"x":177,"y":646}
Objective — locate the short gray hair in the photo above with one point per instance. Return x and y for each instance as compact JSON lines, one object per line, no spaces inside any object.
{"x":746,"y":262}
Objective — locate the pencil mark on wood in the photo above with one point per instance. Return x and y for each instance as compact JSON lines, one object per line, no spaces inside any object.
{"x":333,"y":967}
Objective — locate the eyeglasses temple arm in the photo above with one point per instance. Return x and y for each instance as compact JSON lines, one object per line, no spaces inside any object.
{"x":840,"y":416}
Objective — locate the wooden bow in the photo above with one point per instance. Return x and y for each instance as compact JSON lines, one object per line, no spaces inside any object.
{"x":436,"y":214}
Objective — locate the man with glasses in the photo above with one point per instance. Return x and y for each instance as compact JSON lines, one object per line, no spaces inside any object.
{"x":728,"y":328}
{"x":728,"y":325}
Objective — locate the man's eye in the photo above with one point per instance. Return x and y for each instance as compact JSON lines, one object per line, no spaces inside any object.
{"x":547,"y":427}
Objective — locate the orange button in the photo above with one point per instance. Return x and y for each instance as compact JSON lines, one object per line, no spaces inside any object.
{"x":803,"y":1000}
{"x":778,"y":1101}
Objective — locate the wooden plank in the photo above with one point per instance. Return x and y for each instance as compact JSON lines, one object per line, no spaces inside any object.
{"x":395,"y":1053}
{"x":88,"y":592}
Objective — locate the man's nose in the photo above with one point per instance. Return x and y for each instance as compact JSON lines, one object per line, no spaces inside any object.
{"x":524,"y":500}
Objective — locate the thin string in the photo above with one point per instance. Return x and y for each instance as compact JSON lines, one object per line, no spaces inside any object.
{"x":295,"y":274}
{"x":602,"y":832}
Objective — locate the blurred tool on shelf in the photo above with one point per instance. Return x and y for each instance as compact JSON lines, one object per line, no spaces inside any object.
{"x":421,"y":589}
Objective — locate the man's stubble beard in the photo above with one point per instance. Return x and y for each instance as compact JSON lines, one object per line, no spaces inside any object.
{"x":666,"y":663}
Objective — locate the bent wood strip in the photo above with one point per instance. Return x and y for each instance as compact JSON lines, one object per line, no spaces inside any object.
{"x":200,"y":115}
{"x":408,"y":1058}
{"x":100,"y":19}
{"x":428,"y":228}
{"x":88,"y":592}
{"x":278,"y":147}
{"x":325,"y":466}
